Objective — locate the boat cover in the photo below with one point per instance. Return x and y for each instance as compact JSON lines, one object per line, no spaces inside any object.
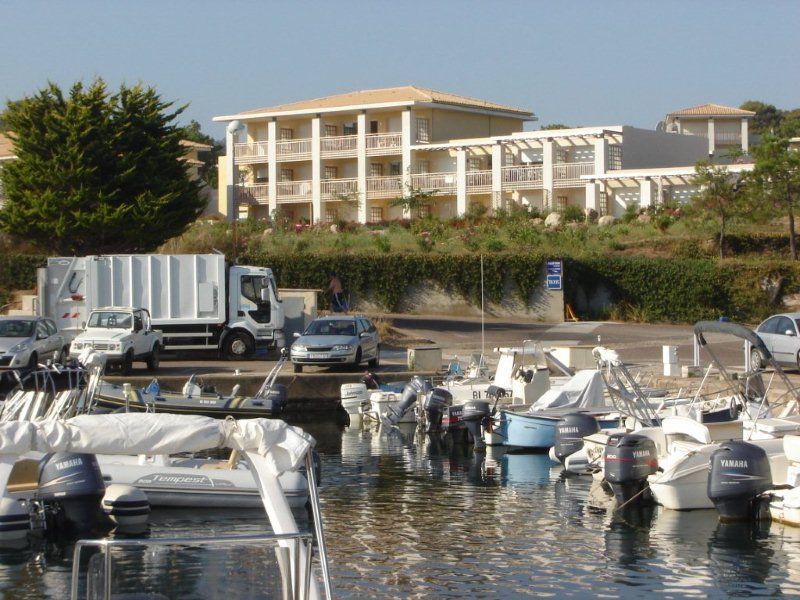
{"x":283,"y":446}
{"x":584,"y":390}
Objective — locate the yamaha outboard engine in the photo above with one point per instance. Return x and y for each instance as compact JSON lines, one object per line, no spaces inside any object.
{"x":627,"y":465}
{"x":72,"y":485}
{"x":435,"y":402}
{"x":412,"y":389}
{"x":570,"y":431}
{"x":740,"y":473}
{"x":274,"y":400}
{"x":474,"y":415}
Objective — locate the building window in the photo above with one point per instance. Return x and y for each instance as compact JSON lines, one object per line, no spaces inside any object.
{"x":423,"y":166}
{"x":287,"y":175}
{"x":561,"y":155}
{"x":350,"y":129}
{"x":424,"y":211}
{"x":375,"y":170}
{"x":561,"y":203}
{"x":262,"y":175}
{"x":286,"y":133}
{"x":615,"y":157}
{"x":373,"y":127}
{"x":331,"y":215}
{"x":508,"y":158}
{"x":474,"y":164}
{"x":395,"y":168}
{"x":423,"y":130}
{"x":376,"y":214}
{"x":603,"y":203}
{"x":331,"y":130}
{"x":331,"y":173}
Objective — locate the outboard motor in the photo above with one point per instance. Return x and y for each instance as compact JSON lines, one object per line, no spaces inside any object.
{"x":126,"y":505}
{"x":435,"y":402}
{"x":73,"y":486}
{"x":474,"y":415}
{"x":740,"y":473}
{"x":371,"y":380}
{"x":275,"y":399}
{"x":627,"y":465}
{"x":411,"y":391}
{"x":570,"y":431}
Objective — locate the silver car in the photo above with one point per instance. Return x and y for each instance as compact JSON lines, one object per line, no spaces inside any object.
{"x":337,"y":340}
{"x":28,"y":341}
{"x":781,"y":336}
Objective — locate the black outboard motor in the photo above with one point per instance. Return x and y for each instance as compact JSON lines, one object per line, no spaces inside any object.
{"x":435,"y":402}
{"x":740,"y":473}
{"x":274,"y":400}
{"x":627,"y":465}
{"x":412,"y":389}
{"x":475,"y":415}
{"x":72,"y":486}
{"x":570,"y":431}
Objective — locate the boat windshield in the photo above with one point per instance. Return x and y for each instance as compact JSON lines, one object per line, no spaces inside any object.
{"x":110,"y":319}
{"x":16,"y":329}
{"x":331,"y":327}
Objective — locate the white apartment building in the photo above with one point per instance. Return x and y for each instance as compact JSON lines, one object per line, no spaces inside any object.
{"x":723,"y":127}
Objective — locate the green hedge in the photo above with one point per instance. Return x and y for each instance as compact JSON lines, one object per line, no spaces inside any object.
{"x":18,"y":272}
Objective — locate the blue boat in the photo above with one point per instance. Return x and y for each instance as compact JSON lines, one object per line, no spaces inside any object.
{"x":537,"y":431}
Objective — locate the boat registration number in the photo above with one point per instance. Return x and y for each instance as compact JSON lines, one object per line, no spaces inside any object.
{"x":317,"y":355}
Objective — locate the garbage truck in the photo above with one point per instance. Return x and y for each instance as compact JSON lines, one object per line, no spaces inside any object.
{"x":197,"y":301}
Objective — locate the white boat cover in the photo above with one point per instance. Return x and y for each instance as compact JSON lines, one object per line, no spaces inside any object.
{"x":584,"y":390}
{"x":282,"y":445}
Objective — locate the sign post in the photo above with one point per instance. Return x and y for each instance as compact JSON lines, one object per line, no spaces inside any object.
{"x":555,"y":270}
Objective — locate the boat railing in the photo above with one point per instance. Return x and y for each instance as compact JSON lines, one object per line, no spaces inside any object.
{"x":100,"y":585}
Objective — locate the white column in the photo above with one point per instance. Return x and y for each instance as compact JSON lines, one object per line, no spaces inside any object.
{"x":592,"y":197}
{"x":461,"y":182}
{"x":547,"y":174}
{"x":316,"y":171}
{"x":405,"y":129}
{"x":272,"y":165}
{"x":363,"y":208}
{"x":678,"y":124}
{"x":497,"y":175}
{"x":745,"y":139}
{"x":711,"y":135}
{"x":600,"y":156}
{"x":231,"y":174}
{"x":645,"y":192}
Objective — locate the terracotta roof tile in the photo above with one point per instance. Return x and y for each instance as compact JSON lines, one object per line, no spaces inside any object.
{"x":711,"y":110}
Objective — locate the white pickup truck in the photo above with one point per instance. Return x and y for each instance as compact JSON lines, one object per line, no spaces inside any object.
{"x":122,"y":335}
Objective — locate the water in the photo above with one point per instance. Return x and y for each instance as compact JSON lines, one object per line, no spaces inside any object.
{"x":408,"y":518}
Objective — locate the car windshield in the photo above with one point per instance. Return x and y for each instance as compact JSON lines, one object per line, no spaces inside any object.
{"x":17,"y":329}
{"x":331,"y":327}
{"x":110,"y":319}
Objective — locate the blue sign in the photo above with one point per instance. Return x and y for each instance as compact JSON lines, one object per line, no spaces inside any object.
{"x":554,"y":267}
{"x":554,"y":282}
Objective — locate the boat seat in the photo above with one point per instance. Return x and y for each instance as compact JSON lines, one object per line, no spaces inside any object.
{"x":791,"y":446}
{"x":776,"y":425}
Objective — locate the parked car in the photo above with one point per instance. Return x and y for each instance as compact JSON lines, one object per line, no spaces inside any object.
{"x":28,"y":341}
{"x":781,"y":335}
{"x":337,"y":340}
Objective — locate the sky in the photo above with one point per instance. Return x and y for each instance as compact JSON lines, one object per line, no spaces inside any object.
{"x":577,"y":63}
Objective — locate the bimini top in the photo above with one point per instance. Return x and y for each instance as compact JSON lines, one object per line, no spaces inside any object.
{"x":733,"y":329}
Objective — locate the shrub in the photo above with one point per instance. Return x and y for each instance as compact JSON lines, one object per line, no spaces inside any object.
{"x":382,"y":243}
{"x":573,"y":214}
{"x":494,"y":244}
{"x":631,"y":212}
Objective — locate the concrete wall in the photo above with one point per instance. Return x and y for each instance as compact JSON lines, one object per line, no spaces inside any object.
{"x":642,"y":148}
{"x":454,"y":124}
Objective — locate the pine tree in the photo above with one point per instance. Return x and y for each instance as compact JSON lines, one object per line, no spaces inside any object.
{"x":96,"y":172}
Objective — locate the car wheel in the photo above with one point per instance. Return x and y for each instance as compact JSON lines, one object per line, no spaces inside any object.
{"x":375,"y":362}
{"x":357,"y":362}
{"x":756,"y":360}
{"x":154,"y":359}
{"x":238,"y":346}
{"x":61,"y":356}
{"x":127,"y":363}
{"x":298,"y":368}
{"x":33,"y":361}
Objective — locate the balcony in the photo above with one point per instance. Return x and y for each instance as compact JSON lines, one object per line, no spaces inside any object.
{"x":725,"y":138}
{"x":479,"y":182}
{"x":339,"y":146}
{"x":384,"y":187}
{"x":569,"y":174}
{"x":293,"y":149}
{"x":384,"y":143}
{"x":339,"y":189}
{"x":294,"y":191}
{"x":250,"y":152}
{"x":434,"y":182}
{"x":522,"y":178}
{"x":252,"y":193}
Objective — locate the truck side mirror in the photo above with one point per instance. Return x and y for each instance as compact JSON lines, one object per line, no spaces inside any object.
{"x":264,"y":294}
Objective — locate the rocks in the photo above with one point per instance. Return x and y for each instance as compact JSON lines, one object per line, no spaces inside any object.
{"x":590,"y":214}
{"x":537,"y":221}
{"x":606,"y":221}
{"x":644,"y":218}
{"x":334,"y":228}
{"x":553,"y":220}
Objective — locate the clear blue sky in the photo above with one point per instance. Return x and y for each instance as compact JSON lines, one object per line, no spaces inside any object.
{"x":579,"y":63}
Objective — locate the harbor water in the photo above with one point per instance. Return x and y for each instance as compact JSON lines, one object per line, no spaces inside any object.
{"x":408,"y":516}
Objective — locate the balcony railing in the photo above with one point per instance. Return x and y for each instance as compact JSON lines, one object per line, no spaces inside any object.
{"x":565,"y":174}
{"x":429,"y":182}
{"x":250,"y":152}
{"x":479,"y":181}
{"x":293,"y":149}
{"x":252,"y":193}
{"x":339,"y":145}
{"x":523,"y":177}
{"x":384,"y":186}
{"x":295,"y":190}
{"x":384,"y":143}
{"x":334,"y":189}
{"x":726,"y":137}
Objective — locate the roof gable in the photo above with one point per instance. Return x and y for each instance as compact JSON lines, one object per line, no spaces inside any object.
{"x":711,"y":110}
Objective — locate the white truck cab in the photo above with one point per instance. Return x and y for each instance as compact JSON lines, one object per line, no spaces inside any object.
{"x":122,"y":335}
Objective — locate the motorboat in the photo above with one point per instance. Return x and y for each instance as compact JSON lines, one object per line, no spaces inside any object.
{"x":269,"y":448}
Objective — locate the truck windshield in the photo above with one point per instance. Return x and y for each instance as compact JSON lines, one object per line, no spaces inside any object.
{"x":252,"y":286}
{"x":110,"y":319}
{"x":16,"y":329}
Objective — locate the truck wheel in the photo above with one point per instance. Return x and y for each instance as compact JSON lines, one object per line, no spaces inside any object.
{"x":154,"y":358}
{"x":127,"y":363}
{"x":237,"y":346}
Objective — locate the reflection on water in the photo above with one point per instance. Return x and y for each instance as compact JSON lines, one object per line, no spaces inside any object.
{"x":411,"y":516}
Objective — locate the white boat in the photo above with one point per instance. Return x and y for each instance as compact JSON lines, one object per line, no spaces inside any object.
{"x":784,"y":505}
